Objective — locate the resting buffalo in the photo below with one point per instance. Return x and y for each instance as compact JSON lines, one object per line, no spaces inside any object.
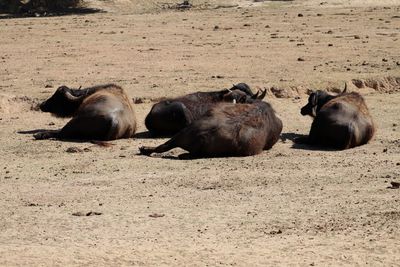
{"x":227,"y":130}
{"x":172,"y":115}
{"x":340,"y":121}
{"x":102,"y":112}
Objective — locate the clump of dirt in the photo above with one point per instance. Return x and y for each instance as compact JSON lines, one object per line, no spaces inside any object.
{"x":382,"y":85}
{"x":387,"y":85}
{"x":141,"y":100}
{"x":289,"y":92}
{"x":12,"y":104}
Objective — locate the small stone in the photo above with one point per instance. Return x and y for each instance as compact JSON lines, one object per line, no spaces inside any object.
{"x":79,"y":213}
{"x":156,"y":215}
{"x":74,"y":149}
{"x":92,"y":213}
{"x":300,"y":59}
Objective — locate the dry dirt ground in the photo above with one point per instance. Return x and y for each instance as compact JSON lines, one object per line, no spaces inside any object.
{"x":287,"y":206}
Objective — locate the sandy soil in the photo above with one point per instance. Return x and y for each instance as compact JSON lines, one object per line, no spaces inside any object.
{"x":286,"y":206}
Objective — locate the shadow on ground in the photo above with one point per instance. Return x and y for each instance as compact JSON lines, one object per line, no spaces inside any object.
{"x":148,"y":135}
{"x":5,"y":14}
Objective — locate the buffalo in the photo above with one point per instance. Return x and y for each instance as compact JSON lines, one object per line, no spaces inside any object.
{"x":227,"y":129}
{"x":171,"y":115}
{"x":340,"y":121}
{"x":103,"y":112}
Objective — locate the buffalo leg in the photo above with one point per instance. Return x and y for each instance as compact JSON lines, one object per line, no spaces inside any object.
{"x":314,"y":135}
{"x":97,"y":128}
{"x":148,"y":150}
{"x":85,"y":128}
{"x":46,"y":134}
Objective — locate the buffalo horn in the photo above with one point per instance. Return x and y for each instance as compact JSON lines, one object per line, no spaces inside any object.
{"x":255,"y":96}
{"x":345,"y":88}
{"x":71,"y":97}
{"x":263,"y":93}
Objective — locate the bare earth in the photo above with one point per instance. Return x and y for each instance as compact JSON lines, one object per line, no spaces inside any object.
{"x":286,"y":206}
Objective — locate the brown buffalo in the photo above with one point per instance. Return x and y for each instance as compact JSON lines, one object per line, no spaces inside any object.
{"x":340,"y":121}
{"x":102,"y":112}
{"x":227,"y":130}
{"x":172,"y":115}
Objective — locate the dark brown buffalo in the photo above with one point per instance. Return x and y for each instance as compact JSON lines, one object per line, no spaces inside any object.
{"x":227,"y":130}
{"x":172,"y":115}
{"x":102,"y":112}
{"x":340,"y":121}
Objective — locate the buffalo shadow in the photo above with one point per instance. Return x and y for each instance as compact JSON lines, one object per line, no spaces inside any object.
{"x":149,"y":135}
{"x":5,"y":14}
{"x":96,"y":142}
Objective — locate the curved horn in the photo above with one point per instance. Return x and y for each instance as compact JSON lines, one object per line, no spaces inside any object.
{"x":345,"y":88}
{"x":71,"y":97}
{"x":263,"y":93}
{"x":244,"y":88}
{"x":255,"y":96}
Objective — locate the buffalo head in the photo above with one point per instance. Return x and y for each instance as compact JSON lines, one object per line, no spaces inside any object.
{"x":316,"y":100}
{"x":63,"y":103}
{"x":242,"y":87}
{"x":240,"y":96}
{"x":311,"y":107}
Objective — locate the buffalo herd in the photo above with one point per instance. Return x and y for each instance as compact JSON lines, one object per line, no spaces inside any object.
{"x":224,"y":123}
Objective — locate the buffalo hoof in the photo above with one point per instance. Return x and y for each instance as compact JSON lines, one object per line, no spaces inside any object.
{"x":43,"y":135}
{"x":146,"y":150}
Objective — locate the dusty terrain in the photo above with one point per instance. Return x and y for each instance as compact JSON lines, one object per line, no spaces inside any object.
{"x":286,"y":206}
